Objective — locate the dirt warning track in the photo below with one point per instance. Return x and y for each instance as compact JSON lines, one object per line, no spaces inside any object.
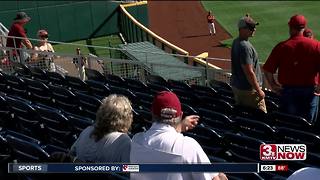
{"x":184,"y":24}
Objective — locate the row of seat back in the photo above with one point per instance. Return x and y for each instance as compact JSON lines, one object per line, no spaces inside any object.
{"x":40,"y":121}
{"x":220,"y":102}
{"x":54,"y":95}
{"x":271,"y":132}
{"x":27,"y":149}
{"x":206,"y":102}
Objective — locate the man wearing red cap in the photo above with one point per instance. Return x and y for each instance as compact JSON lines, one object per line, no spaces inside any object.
{"x":17,"y":30}
{"x":163,"y":142}
{"x":297,"y":61}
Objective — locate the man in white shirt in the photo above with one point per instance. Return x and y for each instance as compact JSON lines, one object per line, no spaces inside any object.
{"x":163,"y":142}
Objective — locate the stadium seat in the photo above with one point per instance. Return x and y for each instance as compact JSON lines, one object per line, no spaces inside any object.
{"x":220,"y":85}
{"x":243,"y":176}
{"x":115,"y":80}
{"x":145,"y":99}
{"x":4,"y":113}
{"x":88,"y":105}
{"x":64,"y":99}
{"x":75,"y":84}
{"x":187,"y":110}
{"x":291,"y":121}
{"x":39,"y":74}
{"x":272,"y":96}
{"x":143,"y":117}
{"x":271,"y":105}
{"x":26,"y":149}
{"x":155,"y":88}
{"x":251,"y":113}
{"x":242,"y":148}
{"x":58,"y":127}
{"x":186,"y":97}
{"x":214,"y":159}
{"x":273,"y":175}
{"x":95,"y":75}
{"x":16,"y":85}
{"x":312,"y":160}
{"x":3,"y":83}
{"x":155,"y":79}
{"x":210,"y":140}
{"x":136,"y":85}
{"x":5,"y":149}
{"x":217,"y":121}
{"x":125,"y":92}
{"x":217,"y":105}
{"x":25,"y":116}
{"x":204,"y":91}
{"x":292,"y":136}
{"x":255,"y":128}
{"x":38,"y":92}
{"x":98,"y":89}
{"x":79,"y":123}
{"x":179,"y":85}
{"x":138,"y":124}
{"x":21,"y":70}
{"x":225,"y":93}
{"x":56,"y":78}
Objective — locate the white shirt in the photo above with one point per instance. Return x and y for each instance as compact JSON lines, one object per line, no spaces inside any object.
{"x":113,"y":147}
{"x":307,"y":173}
{"x":163,"y":144}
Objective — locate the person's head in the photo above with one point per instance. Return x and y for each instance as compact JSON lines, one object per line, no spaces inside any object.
{"x":209,"y":12}
{"x":22,"y":18}
{"x":166,"y":108}
{"x":308,"y":33}
{"x":247,"y":26}
{"x":296,"y":24}
{"x":43,"y":35}
{"x":114,"y":115}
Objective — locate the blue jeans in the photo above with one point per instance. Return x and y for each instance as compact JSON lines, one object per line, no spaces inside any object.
{"x":300,"y":101}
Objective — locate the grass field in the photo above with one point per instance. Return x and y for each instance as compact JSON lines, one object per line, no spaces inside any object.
{"x":106,"y":41}
{"x":273,"y":17}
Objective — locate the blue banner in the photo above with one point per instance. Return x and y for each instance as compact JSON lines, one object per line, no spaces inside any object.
{"x":124,"y":168}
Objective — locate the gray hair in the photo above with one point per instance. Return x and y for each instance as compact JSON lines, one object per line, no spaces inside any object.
{"x":167,"y":117}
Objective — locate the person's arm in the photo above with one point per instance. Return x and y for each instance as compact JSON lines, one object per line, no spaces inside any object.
{"x":251,"y":77}
{"x":221,"y":176}
{"x":189,"y":122}
{"x":50,"y":47}
{"x":276,"y":87}
{"x":27,"y":43}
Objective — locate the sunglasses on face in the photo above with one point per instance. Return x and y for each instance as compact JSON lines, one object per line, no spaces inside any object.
{"x":251,"y":27}
{"x":44,"y":36}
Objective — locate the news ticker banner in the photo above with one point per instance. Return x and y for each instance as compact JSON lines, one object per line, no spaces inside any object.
{"x":127,"y":168}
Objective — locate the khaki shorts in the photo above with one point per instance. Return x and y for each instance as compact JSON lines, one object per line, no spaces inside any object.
{"x":249,"y":99}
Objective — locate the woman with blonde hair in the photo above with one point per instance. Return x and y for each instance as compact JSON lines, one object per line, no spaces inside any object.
{"x":107,"y":139}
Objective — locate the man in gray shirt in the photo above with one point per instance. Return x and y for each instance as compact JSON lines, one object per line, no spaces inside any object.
{"x":246,"y":79}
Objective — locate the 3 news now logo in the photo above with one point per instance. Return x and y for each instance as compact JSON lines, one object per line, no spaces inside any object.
{"x":130,"y":168}
{"x":278,"y":152}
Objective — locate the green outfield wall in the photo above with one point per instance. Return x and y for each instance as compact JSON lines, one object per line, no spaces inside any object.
{"x":65,"y":20}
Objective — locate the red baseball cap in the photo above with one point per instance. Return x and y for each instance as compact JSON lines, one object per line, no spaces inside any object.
{"x":297,"y":21}
{"x":166,"y":104}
